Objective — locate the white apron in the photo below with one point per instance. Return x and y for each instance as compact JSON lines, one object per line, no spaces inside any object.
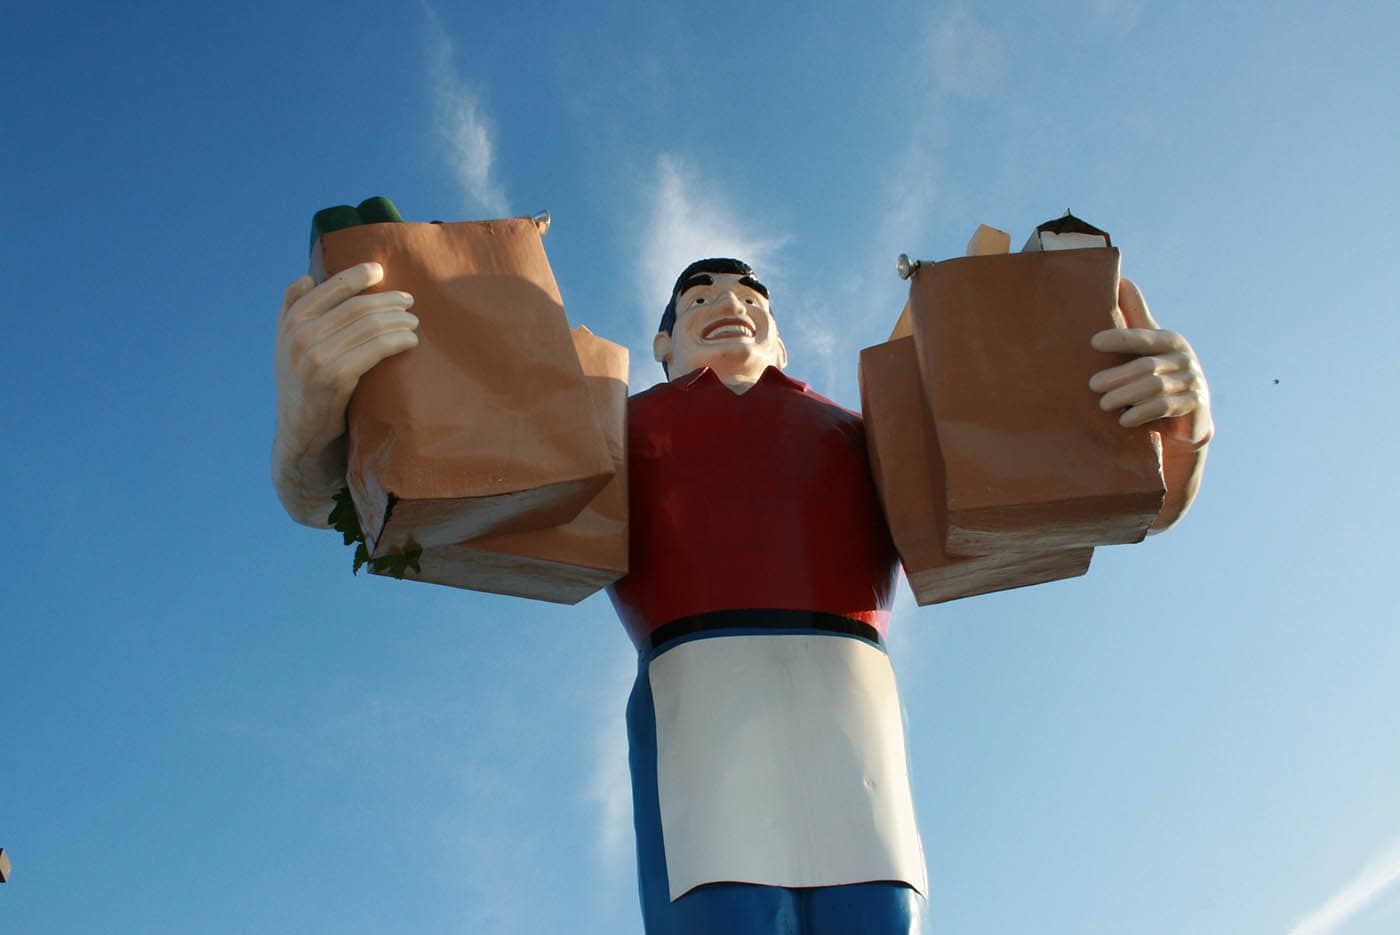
{"x":781,"y":761}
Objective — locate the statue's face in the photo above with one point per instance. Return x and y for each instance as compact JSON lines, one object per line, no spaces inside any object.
{"x":726,"y":326}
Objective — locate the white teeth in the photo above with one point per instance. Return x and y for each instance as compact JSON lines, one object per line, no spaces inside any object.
{"x":730,"y":331}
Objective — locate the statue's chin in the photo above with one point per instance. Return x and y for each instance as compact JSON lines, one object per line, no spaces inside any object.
{"x":732,"y":362}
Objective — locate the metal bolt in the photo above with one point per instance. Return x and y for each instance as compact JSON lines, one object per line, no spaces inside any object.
{"x":541,"y":221}
{"x":905,"y":266}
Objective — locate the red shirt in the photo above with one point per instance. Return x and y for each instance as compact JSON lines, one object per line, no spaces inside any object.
{"x":761,"y":500}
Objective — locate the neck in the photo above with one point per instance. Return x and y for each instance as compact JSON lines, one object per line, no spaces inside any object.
{"x":739,"y":383}
{"x":738,"y":380}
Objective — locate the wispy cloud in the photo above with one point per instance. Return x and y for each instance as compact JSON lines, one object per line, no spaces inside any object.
{"x":688,"y":218}
{"x":902,"y":625}
{"x":961,"y":58}
{"x":1376,"y":879}
{"x":909,"y":194}
{"x":462,"y":126}
{"x":968,"y":60}
{"x":610,"y":788}
{"x":449,"y":785}
{"x":958,"y":58}
{"x":1121,"y":16}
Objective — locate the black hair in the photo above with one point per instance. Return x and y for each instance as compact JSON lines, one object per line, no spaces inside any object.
{"x":694,"y":275}
{"x":697,"y":274}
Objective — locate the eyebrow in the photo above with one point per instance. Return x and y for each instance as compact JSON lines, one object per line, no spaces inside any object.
{"x":699,"y":279}
{"x":755,"y":285}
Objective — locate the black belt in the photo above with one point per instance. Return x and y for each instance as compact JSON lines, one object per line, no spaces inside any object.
{"x":760,"y":619}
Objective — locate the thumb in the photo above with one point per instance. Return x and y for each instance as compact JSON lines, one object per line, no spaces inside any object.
{"x":1134,"y":306}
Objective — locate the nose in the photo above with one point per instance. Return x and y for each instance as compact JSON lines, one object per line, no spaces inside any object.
{"x":730,"y":301}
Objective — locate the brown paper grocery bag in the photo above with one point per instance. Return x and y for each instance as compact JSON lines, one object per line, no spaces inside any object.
{"x":487,"y":425}
{"x":566,"y":563}
{"x":909,"y":475}
{"x":1030,"y":462}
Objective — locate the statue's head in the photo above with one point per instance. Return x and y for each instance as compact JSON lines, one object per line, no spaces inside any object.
{"x":719,"y":317}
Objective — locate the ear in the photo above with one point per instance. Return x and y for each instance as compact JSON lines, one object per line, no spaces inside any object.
{"x":661,"y":348}
{"x":782,"y":355}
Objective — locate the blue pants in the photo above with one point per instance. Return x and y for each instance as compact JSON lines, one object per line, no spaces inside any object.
{"x":747,"y":909}
{"x":743,"y":908}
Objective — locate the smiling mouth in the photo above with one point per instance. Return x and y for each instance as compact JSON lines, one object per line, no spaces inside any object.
{"x":727,"y":328}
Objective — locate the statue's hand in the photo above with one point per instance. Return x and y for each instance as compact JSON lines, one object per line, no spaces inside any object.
{"x":328,"y":336}
{"x":1165,"y":382}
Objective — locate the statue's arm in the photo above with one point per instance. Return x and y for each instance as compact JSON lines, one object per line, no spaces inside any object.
{"x":328,"y":336}
{"x":1164,"y":386}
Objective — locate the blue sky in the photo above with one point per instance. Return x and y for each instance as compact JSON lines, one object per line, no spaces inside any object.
{"x":207,"y":725}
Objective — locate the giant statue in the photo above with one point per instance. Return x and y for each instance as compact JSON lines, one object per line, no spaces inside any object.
{"x":767,"y":750}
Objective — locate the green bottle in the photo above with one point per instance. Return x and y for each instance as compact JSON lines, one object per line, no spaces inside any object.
{"x":376,"y":210}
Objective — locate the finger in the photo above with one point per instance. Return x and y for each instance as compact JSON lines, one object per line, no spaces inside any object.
{"x":1147,"y":388}
{"x":1134,"y":305}
{"x":365,"y":328}
{"x":1114,"y":377}
{"x":295,"y":291}
{"x":1163,"y":407}
{"x":316,"y":330}
{"x":329,"y":372}
{"x":360,"y":359}
{"x":341,"y":286}
{"x":1137,"y":341}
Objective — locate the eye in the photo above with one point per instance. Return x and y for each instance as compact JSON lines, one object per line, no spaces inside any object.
{"x":698,"y":300}
{"x":751,"y":302}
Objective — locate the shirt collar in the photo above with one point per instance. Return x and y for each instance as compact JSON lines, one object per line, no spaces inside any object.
{"x":770,"y":374}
